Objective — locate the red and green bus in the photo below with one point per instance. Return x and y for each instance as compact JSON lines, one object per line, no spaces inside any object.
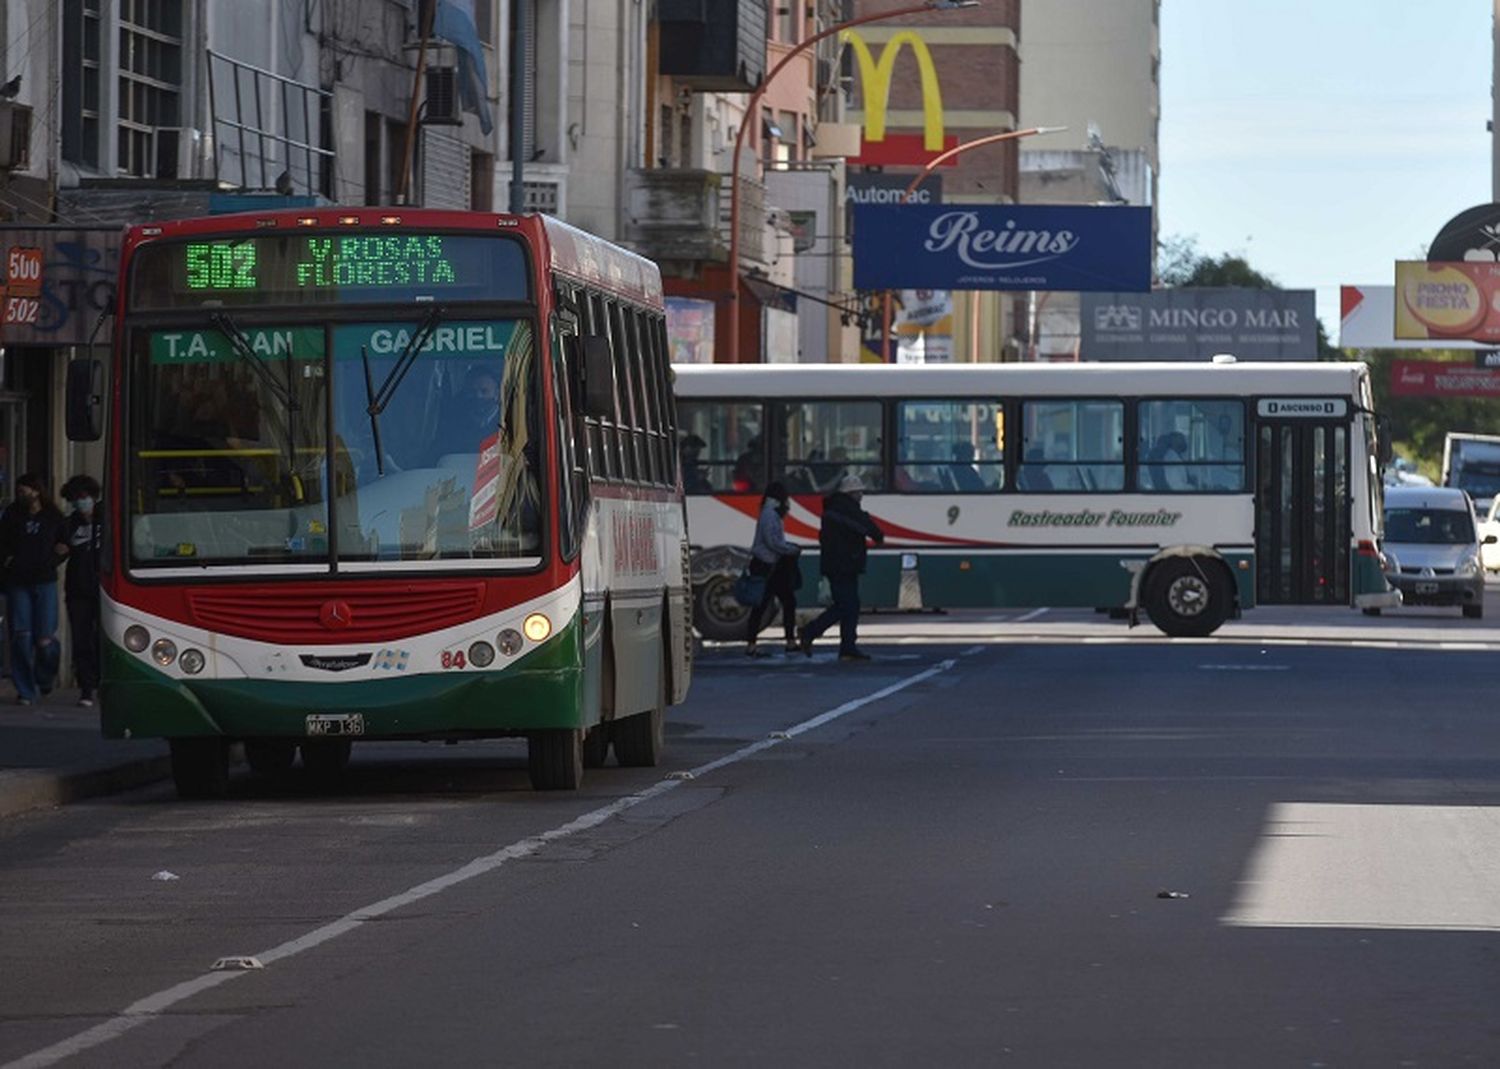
{"x":387,"y":474}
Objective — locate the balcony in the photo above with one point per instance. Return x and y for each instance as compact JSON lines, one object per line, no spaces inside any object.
{"x":681,"y":217}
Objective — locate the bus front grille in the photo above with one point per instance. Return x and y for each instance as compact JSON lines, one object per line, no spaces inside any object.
{"x":336,"y":616}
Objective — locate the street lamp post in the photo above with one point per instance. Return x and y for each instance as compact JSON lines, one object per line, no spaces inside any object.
{"x":932,"y":164}
{"x":752,"y":114}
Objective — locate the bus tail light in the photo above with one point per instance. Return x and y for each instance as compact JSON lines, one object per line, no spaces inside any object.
{"x":137,"y":638}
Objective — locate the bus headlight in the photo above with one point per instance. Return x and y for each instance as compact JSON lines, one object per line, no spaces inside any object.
{"x":537,"y":627}
{"x":137,"y":638}
{"x":510,"y":641}
{"x":481,"y":655}
{"x":192,"y":661}
{"x":164,"y":651}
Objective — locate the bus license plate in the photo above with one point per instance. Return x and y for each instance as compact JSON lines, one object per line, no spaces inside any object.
{"x":336,"y":724}
{"x":1427,"y":588}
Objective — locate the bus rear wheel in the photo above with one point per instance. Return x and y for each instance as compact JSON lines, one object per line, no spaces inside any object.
{"x":640,"y":739}
{"x":200,"y":767}
{"x":1188,"y":597}
{"x":554,"y":758}
{"x":718,"y":617}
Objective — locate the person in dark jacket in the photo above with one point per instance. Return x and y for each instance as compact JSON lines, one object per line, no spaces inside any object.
{"x":81,"y":583}
{"x":33,"y":542}
{"x":843,"y":541}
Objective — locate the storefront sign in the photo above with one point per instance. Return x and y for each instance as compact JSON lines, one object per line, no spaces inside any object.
{"x":58,"y":281}
{"x":1002,"y":247}
{"x":1195,"y":324}
{"x":1445,"y":301}
{"x":1416,"y":378}
{"x":878,"y":147}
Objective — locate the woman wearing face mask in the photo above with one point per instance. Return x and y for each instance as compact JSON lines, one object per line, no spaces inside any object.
{"x":81,"y":583}
{"x":33,"y":542}
{"x":772,"y":556}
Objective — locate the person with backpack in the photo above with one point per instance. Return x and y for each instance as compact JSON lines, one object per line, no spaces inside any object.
{"x":843,"y":541}
{"x":81,"y":582}
{"x":33,"y":542}
{"x":775,"y":559}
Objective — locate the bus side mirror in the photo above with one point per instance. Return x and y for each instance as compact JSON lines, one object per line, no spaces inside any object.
{"x":598,"y":378}
{"x":85,"y":400}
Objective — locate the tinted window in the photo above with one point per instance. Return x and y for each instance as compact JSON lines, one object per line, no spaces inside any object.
{"x":1430,"y":526}
{"x":825,"y":440}
{"x":1072,"y":446}
{"x":950,"y":447}
{"x":1191,"y":445}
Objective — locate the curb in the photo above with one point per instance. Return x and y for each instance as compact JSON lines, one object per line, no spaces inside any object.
{"x":24,"y":790}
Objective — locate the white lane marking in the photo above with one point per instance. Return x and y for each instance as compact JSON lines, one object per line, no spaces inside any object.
{"x":1028,"y":617}
{"x":1418,"y":867}
{"x":149,"y":1008}
{"x":1245,"y":667}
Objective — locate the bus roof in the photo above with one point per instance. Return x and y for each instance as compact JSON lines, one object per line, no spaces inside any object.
{"x":908,"y":380}
{"x":587,"y":258}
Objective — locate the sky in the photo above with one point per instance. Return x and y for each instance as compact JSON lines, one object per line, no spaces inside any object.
{"x":1323,"y":139}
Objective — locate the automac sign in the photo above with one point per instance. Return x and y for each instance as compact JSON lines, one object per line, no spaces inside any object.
{"x":1002,"y":247}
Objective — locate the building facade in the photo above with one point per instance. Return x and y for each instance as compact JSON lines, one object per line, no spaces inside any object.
{"x":1096,"y":69}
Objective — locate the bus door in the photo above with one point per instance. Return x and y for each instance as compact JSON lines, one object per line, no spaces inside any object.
{"x":1302,"y":501}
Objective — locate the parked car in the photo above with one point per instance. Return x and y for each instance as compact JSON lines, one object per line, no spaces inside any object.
{"x":1489,"y":536}
{"x":1433,"y":548}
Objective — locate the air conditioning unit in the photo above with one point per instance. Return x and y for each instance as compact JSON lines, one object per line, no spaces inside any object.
{"x":179,"y":152}
{"x":441,"y":106}
{"x":15,"y":136}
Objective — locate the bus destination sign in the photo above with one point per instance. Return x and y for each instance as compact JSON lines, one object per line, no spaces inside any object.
{"x":329,"y":262}
{"x":303,"y":268}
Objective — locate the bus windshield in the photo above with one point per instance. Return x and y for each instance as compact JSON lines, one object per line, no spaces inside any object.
{"x":256,"y":443}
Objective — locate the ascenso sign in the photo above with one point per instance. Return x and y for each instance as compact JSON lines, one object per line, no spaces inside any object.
{"x":1002,"y":247}
{"x":878,"y":147}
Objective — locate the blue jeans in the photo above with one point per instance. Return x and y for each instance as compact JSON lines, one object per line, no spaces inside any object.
{"x":34,"y":651}
{"x":844,"y":611}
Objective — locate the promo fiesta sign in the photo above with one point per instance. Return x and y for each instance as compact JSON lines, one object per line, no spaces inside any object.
{"x":877,"y":147}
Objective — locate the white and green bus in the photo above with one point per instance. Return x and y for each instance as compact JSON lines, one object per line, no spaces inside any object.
{"x":1192,"y":491}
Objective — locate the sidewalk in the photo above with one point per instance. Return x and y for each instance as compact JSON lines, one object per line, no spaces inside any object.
{"x":52,"y":753}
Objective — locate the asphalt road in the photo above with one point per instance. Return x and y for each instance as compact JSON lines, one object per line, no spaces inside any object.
{"x":955,"y":855}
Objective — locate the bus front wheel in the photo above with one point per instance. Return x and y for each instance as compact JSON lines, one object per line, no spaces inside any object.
{"x":200,"y":767}
{"x":1188,"y":597}
{"x":554,"y":758}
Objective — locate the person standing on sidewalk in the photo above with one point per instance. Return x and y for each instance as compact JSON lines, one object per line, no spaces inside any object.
{"x":81,"y":583}
{"x":773,"y":557}
{"x":33,"y":542}
{"x":843,"y":540}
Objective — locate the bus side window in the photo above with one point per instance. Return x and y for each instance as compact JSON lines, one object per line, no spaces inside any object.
{"x":1072,"y":446}
{"x":950,"y":447}
{"x":649,"y":396}
{"x":609,"y":429}
{"x":630,"y":466}
{"x":1188,"y":445}
{"x":719,"y":442}
{"x":663,"y":366}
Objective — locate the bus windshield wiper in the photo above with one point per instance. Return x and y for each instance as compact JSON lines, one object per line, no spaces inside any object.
{"x":377,"y":400}
{"x":239,"y":343}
